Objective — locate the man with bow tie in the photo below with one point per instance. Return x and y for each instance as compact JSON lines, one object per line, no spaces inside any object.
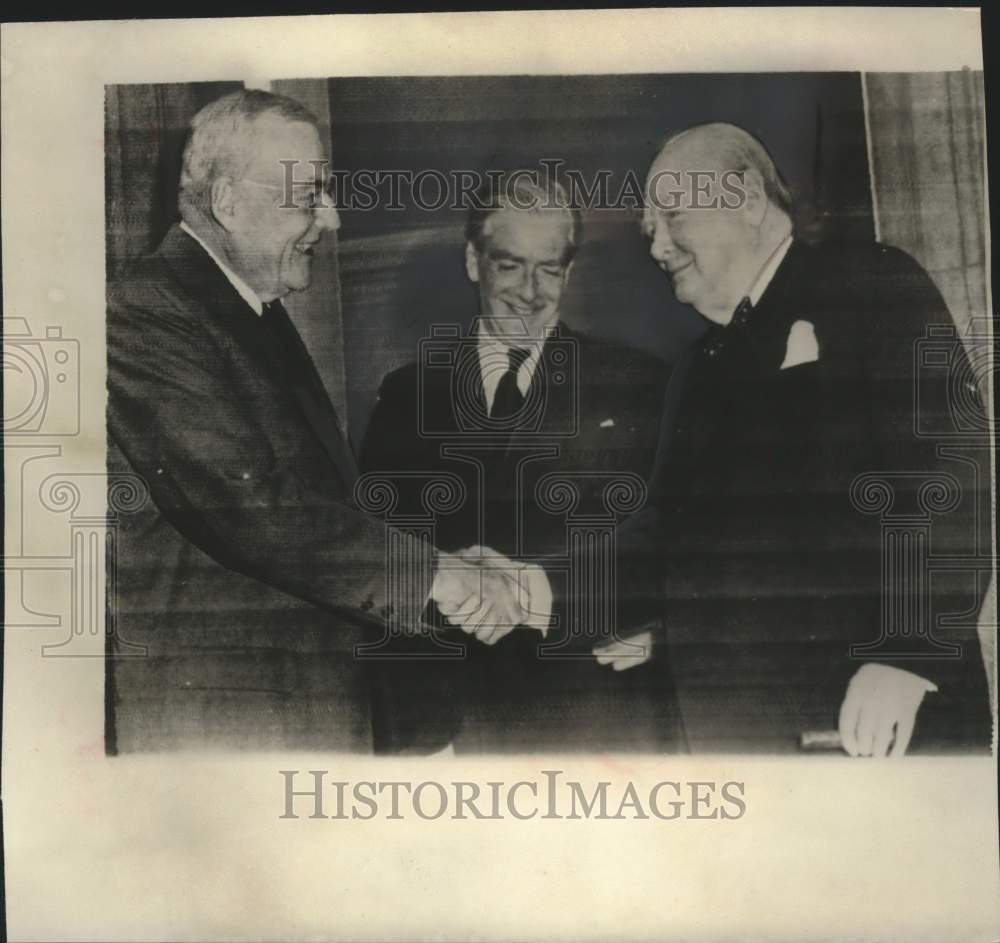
{"x":778,"y":584}
{"x":248,"y":580}
{"x":542,"y":424}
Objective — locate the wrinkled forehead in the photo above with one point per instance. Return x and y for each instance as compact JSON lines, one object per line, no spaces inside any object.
{"x":683,"y":169}
{"x":276,"y":142}
{"x":688,"y":153}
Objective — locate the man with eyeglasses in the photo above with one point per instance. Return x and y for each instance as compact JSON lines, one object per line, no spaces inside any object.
{"x":249,"y":577}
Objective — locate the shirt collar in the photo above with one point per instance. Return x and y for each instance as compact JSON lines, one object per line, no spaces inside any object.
{"x":759,"y":286}
{"x":488,"y":345}
{"x":491,"y":352}
{"x":244,"y":290}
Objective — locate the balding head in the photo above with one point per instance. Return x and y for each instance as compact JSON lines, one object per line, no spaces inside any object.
{"x":716,"y":209}
{"x":726,"y":148}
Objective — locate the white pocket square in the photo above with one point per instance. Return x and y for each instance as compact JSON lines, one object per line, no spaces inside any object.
{"x":606,"y":424}
{"x":802,"y":346}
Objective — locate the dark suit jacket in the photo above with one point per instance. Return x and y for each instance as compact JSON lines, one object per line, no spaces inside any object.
{"x":773,"y":571}
{"x":597,"y":417}
{"x":250,"y":575}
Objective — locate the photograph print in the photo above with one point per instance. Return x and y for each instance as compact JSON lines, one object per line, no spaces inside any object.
{"x":550,"y":414}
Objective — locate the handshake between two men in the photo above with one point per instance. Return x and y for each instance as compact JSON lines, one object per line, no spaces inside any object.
{"x":488,"y":595}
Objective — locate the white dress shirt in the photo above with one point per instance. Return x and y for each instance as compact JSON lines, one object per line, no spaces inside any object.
{"x":245,"y":291}
{"x":760,"y":284}
{"x":494,"y":362}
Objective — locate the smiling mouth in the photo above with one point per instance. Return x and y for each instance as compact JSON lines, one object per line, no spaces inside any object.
{"x":521,"y":312}
{"x":672,"y":273}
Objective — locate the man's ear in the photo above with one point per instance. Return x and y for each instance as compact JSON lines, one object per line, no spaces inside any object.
{"x":755,"y":199}
{"x":471,"y":262}
{"x":223,"y":202}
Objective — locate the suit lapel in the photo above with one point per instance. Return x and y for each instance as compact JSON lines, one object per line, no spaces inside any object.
{"x":206,"y":282}
{"x":465,"y":392}
{"x":556,"y":399}
{"x":322,"y":418}
{"x":766,"y":332}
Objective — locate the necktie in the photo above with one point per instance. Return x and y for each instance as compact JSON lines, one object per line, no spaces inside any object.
{"x":718,"y":336}
{"x":742,"y":313}
{"x":508,"y":399}
{"x":500,"y":480}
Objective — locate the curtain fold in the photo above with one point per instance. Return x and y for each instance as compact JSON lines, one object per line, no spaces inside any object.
{"x":927,"y":134}
{"x":927,"y":146}
{"x":317,"y":312}
{"x":145,"y":127}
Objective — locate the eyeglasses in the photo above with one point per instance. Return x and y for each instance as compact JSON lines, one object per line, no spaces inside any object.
{"x":307,"y":197}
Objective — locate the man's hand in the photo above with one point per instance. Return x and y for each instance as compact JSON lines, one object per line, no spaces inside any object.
{"x":534,"y":589}
{"x":484,"y":600}
{"x":880,"y":710}
{"x":627,"y":653}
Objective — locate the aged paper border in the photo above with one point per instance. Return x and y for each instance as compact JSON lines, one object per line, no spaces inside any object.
{"x":191,"y":847}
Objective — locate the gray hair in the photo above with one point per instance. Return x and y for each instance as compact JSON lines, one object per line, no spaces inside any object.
{"x":737,"y":149}
{"x":221,"y":142}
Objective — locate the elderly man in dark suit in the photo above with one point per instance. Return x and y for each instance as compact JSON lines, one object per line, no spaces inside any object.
{"x":552,"y":433}
{"x":792,"y":418}
{"x":251,"y":575}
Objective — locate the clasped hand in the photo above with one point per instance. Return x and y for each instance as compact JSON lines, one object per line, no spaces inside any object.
{"x":488,"y":595}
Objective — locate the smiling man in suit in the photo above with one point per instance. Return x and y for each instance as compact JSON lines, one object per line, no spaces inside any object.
{"x":548,"y":429}
{"x":250,"y":576}
{"x":783,"y":588}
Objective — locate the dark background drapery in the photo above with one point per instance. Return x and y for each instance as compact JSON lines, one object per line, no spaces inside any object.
{"x":403,"y":270}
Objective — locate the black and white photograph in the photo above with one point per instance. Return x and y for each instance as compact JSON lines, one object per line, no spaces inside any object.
{"x":510,"y":440}
{"x":738,"y":442}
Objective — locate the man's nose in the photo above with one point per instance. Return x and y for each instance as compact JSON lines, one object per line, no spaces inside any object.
{"x":662,"y":244}
{"x":326,"y":218}
{"x":528,"y":288}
